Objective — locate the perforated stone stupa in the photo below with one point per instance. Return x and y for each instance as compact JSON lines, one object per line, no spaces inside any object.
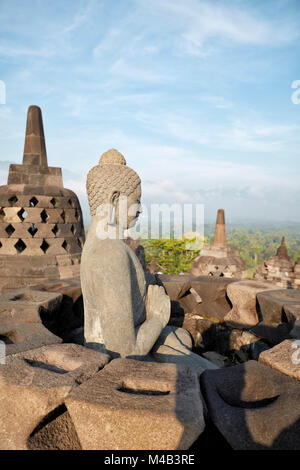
{"x":280,"y":268}
{"x":219,"y":259}
{"x":297,"y":274}
{"x":41,"y":227}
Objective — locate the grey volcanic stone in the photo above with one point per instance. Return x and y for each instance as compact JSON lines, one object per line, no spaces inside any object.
{"x":276,"y":320}
{"x":176,"y":285}
{"x":294,"y":312}
{"x":34,"y":383}
{"x":138,"y":405}
{"x":213,"y":292}
{"x":21,"y":337}
{"x":284,"y":357}
{"x":55,"y":432}
{"x":243,"y":296}
{"x":26,"y":305}
{"x":174,"y":346}
{"x":254,"y":406}
{"x":257,"y":347}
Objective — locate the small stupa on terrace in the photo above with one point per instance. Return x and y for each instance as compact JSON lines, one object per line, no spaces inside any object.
{"x":219,"y":259}
{"x":279,"y":269}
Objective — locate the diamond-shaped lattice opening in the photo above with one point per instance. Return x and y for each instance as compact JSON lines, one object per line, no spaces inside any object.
{"x":33,"y":201}
{"x":53,"y":202}
{"x":22,"y":214}
{"x":32,"y":230}
{"x":2,"y":215}
{"x":76,"y":214}
{"x":12,"y":200}
{"x":73,"y":229}
{"x":65,"y":245}
{"x":55,"y":229}
{"x":44,"y":246}
{"x":70,"y":202}
{"x":79,"y":242}
{"x":10,"y":230}
{"x":44,"y":216}
{"x":20,"y":246}
{"x":63,"y":216}
{"x":0,"y":245}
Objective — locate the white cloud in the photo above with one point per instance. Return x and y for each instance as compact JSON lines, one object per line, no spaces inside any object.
{"x":108,"y":42}
{"x":80,"y":17}
{"x":203,"y":21}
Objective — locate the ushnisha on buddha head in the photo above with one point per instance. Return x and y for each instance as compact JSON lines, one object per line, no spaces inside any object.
{"x":114,"y":194}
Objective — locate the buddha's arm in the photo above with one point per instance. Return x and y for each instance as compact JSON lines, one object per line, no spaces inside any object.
{"x":114,"y":297}
{"x":157,"y":316}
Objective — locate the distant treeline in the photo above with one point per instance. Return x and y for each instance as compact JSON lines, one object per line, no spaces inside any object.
{"x":254,"y":244}
{"x":257,"y":244}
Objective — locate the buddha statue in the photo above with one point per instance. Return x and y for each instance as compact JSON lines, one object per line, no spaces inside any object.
{"x":125,"y":312}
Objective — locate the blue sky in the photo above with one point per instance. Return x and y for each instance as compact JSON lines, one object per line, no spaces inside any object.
{"x":195,"y":94}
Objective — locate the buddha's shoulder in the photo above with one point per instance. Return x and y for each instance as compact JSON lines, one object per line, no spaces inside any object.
{"x":107,"y":248}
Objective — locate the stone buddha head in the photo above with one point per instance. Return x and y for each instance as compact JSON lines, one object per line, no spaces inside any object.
{"x":114,"y":191}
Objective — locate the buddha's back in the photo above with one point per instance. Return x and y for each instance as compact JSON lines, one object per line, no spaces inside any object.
{"x":112,"y":278}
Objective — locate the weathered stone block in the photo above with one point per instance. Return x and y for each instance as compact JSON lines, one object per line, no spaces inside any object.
{"x":54,"y":216}
{"x":293,"y":311}
{"x":34,"y":215}
{"x":20,"y":337}
{"x":25,"y":305}
{"x":57,"y":433}
{"x":18,"y":230}
{"x":11,"y":215}
{"x":254,"y":406}
{"x":40,"y":230}
{"x":276,"y":321}
{"x":70,"y":216}
{"x":176,"y":286}
{"x":211,"y":288}
{"x":35,"y":383}
{"x":242,"y":295}
{"x":272,"y":303}
{"x":7,"y":246}
{"x":138,"y":405}
{"x":285,"y":357}
{"x":70,"y":315}
{"x":29,"y":247}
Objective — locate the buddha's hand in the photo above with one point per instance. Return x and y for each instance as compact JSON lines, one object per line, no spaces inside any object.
{"x":158,"y":304}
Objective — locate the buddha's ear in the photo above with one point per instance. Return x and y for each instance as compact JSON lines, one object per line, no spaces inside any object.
{"x":114,"y":197}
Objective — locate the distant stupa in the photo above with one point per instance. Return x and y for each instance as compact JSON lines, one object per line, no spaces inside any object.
{"x":41,"y":227}
{"x":220,"y":230}
{"x":297,"y":274}
{"x":219,"y":259}
{"x":280,"y":269}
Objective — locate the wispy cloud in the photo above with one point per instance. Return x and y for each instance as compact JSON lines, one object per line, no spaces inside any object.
{"x":203,"y":21}
{"x":81,"y":16}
